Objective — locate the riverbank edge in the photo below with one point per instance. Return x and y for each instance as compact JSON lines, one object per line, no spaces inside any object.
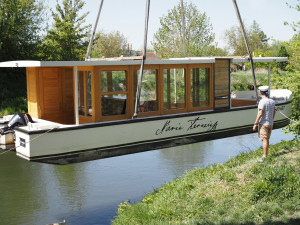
{"x":240,"y":191}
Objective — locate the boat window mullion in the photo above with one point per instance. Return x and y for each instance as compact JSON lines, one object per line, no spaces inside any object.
{"x":198,"y":87}
{"x":168,"y":89}
{"x":109,"y":81}
{"x":207,"y":78}
{"x":85,"y":94}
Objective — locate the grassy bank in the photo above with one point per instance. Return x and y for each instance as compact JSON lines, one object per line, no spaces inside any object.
{"x":241,"y":191}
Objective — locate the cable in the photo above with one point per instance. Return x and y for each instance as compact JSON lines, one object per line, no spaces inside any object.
{"x":287,"y":117}
{"x":28,"y":141}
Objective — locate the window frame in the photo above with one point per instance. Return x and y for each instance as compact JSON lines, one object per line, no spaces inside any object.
{"x":209,"y":66}
{"x":161,"y":88}
{"x":85,"y":118}
{"x":146,"y":67}
{"x":126,"y":92}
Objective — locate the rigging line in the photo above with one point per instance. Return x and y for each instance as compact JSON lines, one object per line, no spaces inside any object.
{"x":296,"y":122}
{"x":247,"y":45}
{"x":94,"y":31}
{"x":139,"y":86}
{"x":29,"y":140}
{"x":183,"y":28}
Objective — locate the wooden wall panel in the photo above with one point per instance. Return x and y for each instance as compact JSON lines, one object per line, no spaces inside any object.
{"x":68,"y":96}
{"x":222,"y":103}
{"x":241,"y":102}
{"x":222,"y":83}
{"x":32,"y":91}
{"x":51,"y":94}
{"x":221,"y":92}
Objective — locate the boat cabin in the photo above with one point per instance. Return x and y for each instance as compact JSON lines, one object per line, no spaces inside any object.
{"x":105,"y":90}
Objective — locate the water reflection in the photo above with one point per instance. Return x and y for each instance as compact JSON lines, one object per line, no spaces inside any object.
{"x":22,"y":189}
{"x":182,"y":158}
{"x":68,"y":186}
{"x":90,"y":192}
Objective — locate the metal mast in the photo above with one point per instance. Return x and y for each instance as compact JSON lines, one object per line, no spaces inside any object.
{"x":247,"y":45}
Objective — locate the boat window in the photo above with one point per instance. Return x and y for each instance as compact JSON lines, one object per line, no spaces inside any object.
{"x":113,"y":93}
{"x":112,"y":81}
{"x":174,"y":88}
{"x":84,"y":93}
{"x":148,"y":97}
{"x":113,"y":105}
{"x":200,"y":87}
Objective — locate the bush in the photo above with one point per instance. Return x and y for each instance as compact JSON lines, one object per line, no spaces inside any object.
{"x":12,"y":106}
{"x":278,"y":182}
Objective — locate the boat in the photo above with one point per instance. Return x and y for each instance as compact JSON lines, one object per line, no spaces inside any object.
{"x":85,"y":110}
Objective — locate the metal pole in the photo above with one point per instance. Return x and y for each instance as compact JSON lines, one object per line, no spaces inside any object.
{"x":94,"y":31}
{"x":139,"y":86}
{"x":183,"y":28}
{"x":76,"y":94}
{"x":247,"y":45}
{"x":269,"y":79}
{"x":175,"y":87}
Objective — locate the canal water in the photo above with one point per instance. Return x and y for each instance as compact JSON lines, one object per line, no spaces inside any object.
{"x":89,"y":193}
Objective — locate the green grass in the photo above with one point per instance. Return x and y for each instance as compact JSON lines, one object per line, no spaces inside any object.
{"x":241,"y":191}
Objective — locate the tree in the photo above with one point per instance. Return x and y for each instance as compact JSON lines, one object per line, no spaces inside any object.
{"x":257,"y":39}
{"x":283,"y":53}
{"x":199,"y":36}
{"x":235,"y":41}
{"x":292,"y":79}
{"x":294,"y":25}
{"x":109,"y":45}
{"x":68,"y":38}
{"x":20,"y":26}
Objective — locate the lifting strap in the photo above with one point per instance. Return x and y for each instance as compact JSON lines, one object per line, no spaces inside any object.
{"x":139,"y":86}
{"x":247,"y":45}
{"x":183,"y":28}
{"x":94,"y":31}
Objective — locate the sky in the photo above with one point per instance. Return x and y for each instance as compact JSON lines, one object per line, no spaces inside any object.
{"x":128,"y":17}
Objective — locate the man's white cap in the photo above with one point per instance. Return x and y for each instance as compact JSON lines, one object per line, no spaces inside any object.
{"x":263,"y":88}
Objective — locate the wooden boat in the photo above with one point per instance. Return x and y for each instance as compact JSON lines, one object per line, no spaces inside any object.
{"x":83,"y":110}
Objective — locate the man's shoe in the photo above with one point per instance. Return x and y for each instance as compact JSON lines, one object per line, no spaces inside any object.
{"x":262,"y":159}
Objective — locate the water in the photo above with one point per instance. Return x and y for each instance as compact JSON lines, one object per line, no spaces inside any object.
{"x":89,"y":193}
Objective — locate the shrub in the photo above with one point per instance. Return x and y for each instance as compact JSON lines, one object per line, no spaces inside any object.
{"x":278,"y":182}
{"x":11,"y":106}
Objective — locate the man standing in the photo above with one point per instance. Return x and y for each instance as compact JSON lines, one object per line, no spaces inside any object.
{"x":264,"y":119}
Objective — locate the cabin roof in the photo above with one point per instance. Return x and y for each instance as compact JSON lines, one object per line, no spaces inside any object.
{"x":119,"y":61}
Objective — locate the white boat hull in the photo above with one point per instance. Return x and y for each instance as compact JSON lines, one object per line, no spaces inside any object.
{"x":72,"y":144}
